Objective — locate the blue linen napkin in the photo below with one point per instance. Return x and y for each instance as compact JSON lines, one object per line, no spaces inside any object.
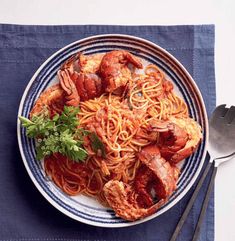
{"x":24,"y":214}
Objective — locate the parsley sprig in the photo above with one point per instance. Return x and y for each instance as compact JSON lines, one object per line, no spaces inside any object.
{"x":61,"y":134}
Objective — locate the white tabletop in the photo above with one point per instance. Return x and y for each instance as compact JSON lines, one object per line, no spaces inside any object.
{"x":140,"y":12}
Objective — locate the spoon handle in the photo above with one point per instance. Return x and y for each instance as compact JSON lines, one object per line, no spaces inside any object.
{"x":191,"y":202}
{"x":205,"y":204}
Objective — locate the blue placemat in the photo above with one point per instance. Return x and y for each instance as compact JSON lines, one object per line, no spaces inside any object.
{"x":24,"y":214}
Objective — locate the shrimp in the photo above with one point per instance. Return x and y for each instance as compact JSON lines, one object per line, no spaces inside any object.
{"x":114,"y":69}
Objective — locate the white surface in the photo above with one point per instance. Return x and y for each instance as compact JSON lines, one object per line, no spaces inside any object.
{"x":133,"y":12}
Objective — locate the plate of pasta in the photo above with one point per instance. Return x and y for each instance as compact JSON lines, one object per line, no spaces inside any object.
{"x":112,"y":130}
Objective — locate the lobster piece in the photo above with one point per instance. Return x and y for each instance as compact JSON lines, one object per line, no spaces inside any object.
{"x":156,"y":174}
{"x":52,"y":99}
{"x":88,"y":86}
{"x":78,"y":78}
{"x":67,"y":84}
{"x":90,"y":64}
{"x":114,"y":69}
{"x":87,"y":64}
{"x":121,"y":198}
{"x":137,"y":201}
{"x":143,"y":184}
{"x":178,"y":139}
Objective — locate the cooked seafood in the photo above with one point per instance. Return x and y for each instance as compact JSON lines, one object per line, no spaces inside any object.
{"x":144,"y":182}
{"x":79,"y":79}
{"x":178,"y":139}
{"x":163,"y":177}
{"x":51,"y":99}
{"x":79,"y":86}
{"x":90,"y":64}
{"x":114,"y":69}
{"x":121,"y":197}
{"x":87,"y":64}
{"x":89,"y":86}
{"x":193,"y":129}
{"x":155,"y":174}
{"x":67,"y":84}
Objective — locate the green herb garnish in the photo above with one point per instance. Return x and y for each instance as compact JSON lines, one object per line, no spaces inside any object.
{"x":61,"y":134}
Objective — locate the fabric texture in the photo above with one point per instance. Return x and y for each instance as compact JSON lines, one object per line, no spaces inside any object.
{"x":24,"y":212}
